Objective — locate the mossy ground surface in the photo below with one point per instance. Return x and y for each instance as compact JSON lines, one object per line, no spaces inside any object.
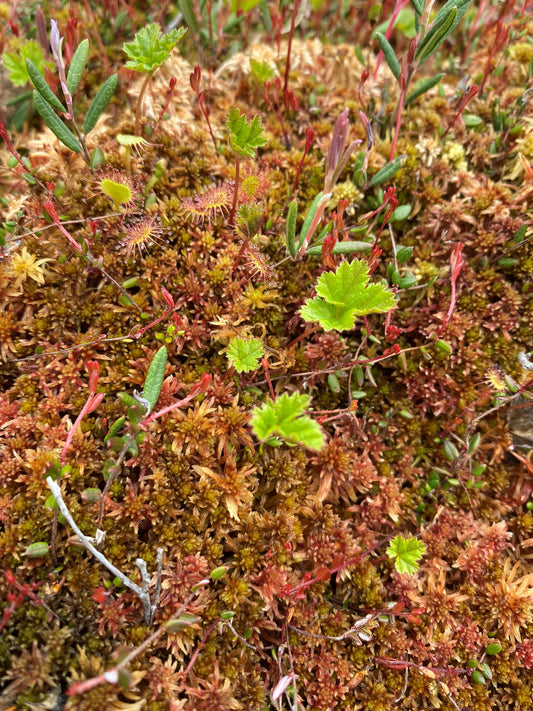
{"x":201,"y":487}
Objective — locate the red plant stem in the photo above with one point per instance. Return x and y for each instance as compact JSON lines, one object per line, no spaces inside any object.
{"x":456,"y":262}
{"x":92,"y":403}
{"x":288,"y":60}
{"x":309,"y":137}
{"x":464,"y":101}
{"x":235,"y":191}
{"x":398,"y":123}
{"x":201,"y":386}
{"x":266,"y":366}
{"x":140,"y":103}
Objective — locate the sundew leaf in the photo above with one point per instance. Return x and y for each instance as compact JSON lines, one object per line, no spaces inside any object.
{"x":244,"y":136}
{"x":244,"y":354}
{"x":149,"y":48}
{"x":16,"y":63}
{"x":406,"y":553}
{"x":154,"y":377}
{"x":345,"y":294}
{"x":285,"y":416}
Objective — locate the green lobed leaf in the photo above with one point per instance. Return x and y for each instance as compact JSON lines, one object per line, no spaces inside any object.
{"x":16,"y":64}
{"x":406,"y":553}
{"x":149,"y":48}
{"x":154,"y":377}
{"x":245,"y":136}
{"x":285,"y":416}
{"x":55,"y":124}
{"x":77,"y":65}
{"x":42,"y":87}
{"x":99,"y":103}
{"x":244,"y":354}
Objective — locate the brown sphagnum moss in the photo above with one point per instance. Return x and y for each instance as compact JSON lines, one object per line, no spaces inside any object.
{"x":278,"y":587}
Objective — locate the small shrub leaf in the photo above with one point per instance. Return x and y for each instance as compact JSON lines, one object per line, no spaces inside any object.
{"x":55,"y":124}
{"x":291,"y":227}
{"x":437,"y":34}
{"x":422,"y":86}
{"x":99,"y":103}
{"x":154,"y":377}
{"x":42,"y":87}
{"x":390,"y":56}
{"x":386,"y":172}
{"x":77,"y":65}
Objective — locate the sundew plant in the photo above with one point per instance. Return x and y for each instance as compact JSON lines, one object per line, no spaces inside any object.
{"x":265,"y":355}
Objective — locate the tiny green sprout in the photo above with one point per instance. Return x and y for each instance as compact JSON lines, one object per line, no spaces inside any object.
{"x":406,"y":553}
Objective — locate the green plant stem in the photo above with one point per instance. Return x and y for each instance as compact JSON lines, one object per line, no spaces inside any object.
{"x":140,"y":103}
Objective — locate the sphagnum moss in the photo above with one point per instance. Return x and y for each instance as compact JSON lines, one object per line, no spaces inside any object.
{"x":466,"y":187}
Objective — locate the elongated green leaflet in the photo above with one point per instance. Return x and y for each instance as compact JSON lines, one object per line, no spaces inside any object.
{"x":77,"y":65}
{"x":99,"y":103}
{"x":390,"y":56}
{"x":42,"y":87}
{"x":423,"y":86}
{"x":115,"y":428}
{"x":386,"y":172}
{"x":308,"y":221}
{"x":442,"y":14}
{"x":418,"y":6}
{"x":291,"y":227}
{"x":55,"y":124}
{"x":341,"y":248}
{"x":436,"y":36}
{"x":154,"y":377}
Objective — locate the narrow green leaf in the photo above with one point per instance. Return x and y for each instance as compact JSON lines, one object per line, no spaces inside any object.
{"x":115,"y":428}
{"x":154,"y":377}
{"x":77,"y":65}
{"x":99,"y":103}
{"x":342,"y":248}
{"x":386,"y":172}
{"x":291,"y":227}
{"x":42,"y":87}
{"x":422,"y":86}
{"x":55,"y":124}
{"x":418,"y":6}
{"x":390,"y":56}
{"x":37,"y":550}
{"x":308,"y":219}
{"x":436,"y":36}
{"x":187,"y":10}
